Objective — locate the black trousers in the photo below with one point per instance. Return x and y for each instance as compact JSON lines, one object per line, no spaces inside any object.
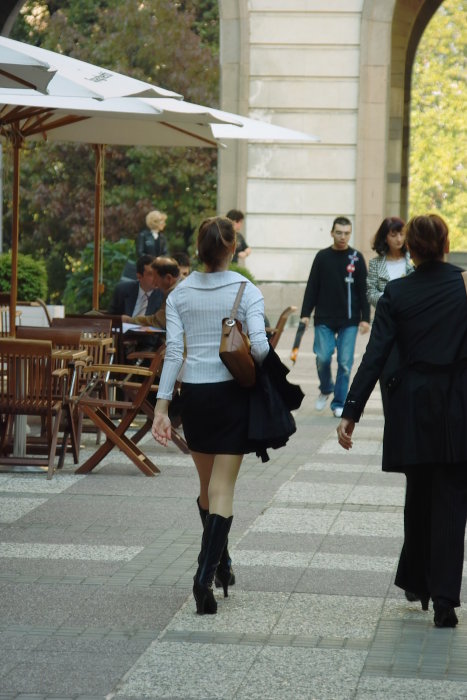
{"x":435,"y":517}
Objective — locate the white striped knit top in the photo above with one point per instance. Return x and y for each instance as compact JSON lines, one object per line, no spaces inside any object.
{"x":194,"y":311}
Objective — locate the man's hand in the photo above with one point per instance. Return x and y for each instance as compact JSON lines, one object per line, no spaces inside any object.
{"x":126,"y":319}
{"x":344,"y":433}
{"x":363,"y":327}
{"x":306,"y":321}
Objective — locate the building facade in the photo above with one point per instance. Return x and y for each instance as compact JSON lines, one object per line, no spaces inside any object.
{"x":339,"y":69}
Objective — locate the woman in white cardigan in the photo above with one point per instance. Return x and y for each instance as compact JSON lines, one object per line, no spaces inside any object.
{"x":393,"y":261}
{"x":214,"y":408}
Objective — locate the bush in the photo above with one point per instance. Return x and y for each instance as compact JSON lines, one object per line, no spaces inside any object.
{"x":32,"y":277}
{"x":242,"y":271}
{"x":77,"y":296}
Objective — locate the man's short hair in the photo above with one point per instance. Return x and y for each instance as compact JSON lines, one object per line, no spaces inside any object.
{"x":165,"y":266}
{"x":235,"y":215}
{"x":342,"y":221}
{"x":142,"y":261}
{"x":183,"y":259}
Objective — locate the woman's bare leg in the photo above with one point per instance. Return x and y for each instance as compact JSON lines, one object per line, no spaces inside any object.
{"x":221,"y":489}
{"x":203,"y":463}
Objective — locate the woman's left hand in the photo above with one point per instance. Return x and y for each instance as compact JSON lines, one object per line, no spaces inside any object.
{"x":344,"y":433}
{"x":161,"y":428}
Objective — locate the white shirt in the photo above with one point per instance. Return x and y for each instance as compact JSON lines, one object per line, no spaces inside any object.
{"x":195,"y":309}
{"x":396,"y":268}
{"x":141,"y":302}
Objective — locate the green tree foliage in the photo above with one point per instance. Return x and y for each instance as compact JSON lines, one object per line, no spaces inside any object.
{"x":158,"y":41}
{"x":78,"y":292}
{"x":438,"y":142}
{"x":32,"y":277}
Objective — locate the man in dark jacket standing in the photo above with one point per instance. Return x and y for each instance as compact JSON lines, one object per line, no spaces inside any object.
{"x":336,"y":290}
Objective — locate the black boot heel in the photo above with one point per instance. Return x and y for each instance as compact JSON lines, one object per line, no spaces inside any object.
{"x":425,"y":600}
{"x":222,"y":580}
{"x":205,"y":601}
{"x":414,"y":597}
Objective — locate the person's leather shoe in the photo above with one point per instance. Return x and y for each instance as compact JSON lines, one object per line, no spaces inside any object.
{"x":414,"y":597}
{"x":444,"y":616}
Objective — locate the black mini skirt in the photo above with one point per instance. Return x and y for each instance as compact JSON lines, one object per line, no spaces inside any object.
{"x":215,"y":417}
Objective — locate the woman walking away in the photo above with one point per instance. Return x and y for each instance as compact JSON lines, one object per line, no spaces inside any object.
{"x":214,"y":408}
{"x":393,"y":261}
{"x":425,"y":316}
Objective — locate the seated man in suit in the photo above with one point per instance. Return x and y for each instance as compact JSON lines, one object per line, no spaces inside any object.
{"x":166,"y":274}
{"x":137,"y":297}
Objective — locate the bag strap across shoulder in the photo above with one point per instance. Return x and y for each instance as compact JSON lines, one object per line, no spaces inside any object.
{"x":464,"y":277}
{"x":238,"y":299}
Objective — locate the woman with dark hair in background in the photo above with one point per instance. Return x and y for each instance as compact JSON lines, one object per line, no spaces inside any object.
{"x":214,"y":408}
{"x":425,"y":437}
{"x":393,"y":261}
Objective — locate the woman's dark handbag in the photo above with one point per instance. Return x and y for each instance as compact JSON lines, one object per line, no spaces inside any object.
{"x":234,"y":349}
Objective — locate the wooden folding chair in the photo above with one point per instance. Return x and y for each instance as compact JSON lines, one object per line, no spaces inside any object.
{"x":97,"y":340}
{"x":86,"y":320}
{"x":275,"y":333}
{"x":148,"y":409}
{"x":67,"y":354}
{"x":26,"y":383}
{"x":97,"y":409}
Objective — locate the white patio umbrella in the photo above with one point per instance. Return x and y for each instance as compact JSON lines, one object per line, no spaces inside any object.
{"x":71,"y":77}
{"x":245,"y":128}
{"x":117,"y":121}
{"x":124,"y":121}
{"x":19,"y":71}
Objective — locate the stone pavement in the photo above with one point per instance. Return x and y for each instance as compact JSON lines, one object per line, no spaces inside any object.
{"x":96,"y":574}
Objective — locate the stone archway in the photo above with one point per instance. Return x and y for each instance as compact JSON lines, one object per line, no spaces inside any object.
{"x":391,"y":30}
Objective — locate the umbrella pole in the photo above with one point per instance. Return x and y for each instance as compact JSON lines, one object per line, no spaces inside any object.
{"x":98,"y":208}
{"x":14,"y":237}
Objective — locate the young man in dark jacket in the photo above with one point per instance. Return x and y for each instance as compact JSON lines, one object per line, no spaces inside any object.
{"x":336,"y":290}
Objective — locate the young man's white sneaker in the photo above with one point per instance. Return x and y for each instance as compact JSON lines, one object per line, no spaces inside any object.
{"x":338,"y":412}
{"x":321,"y":401}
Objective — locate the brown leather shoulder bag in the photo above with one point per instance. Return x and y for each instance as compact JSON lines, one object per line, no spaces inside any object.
{"x":234,"y":349}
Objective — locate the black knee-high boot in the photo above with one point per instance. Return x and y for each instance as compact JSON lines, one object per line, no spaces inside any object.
{"x":215,"y":534}
{"x":224,"y":576}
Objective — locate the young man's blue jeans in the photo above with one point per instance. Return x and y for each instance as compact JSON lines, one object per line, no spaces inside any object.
{"x":325,"y":341}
